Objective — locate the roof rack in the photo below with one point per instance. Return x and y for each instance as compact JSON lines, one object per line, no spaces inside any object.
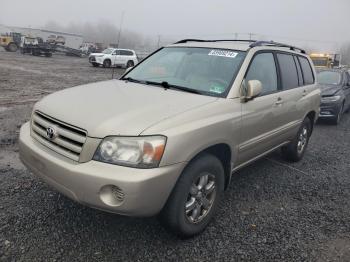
{"x":254,"y":43}
{"x":272,"y":43}
{"x":215,"y":40}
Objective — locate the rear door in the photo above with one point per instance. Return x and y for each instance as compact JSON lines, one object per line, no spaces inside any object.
{"x":124,"y":57}
{"x":292,"y":94}
{"x":263,"y":116}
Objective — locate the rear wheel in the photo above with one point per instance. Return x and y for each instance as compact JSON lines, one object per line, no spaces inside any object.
{"x":12,"y":47}
{"x":129,"y":64}
{"x":195,"y":198}
{"x":296,"y":149}
{"x":107,"y":63}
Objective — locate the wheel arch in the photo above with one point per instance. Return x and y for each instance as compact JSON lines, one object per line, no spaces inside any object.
{"x":224,"y":153}
{"x":312,"y":116}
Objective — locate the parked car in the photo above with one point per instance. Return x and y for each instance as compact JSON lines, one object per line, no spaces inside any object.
{"x":335,"y":92}
{"x":56,"y":39}
{"x":114,"y":57}
{"x":166,"y":137}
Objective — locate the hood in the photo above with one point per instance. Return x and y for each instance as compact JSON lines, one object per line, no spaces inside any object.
{"x":329,"y":90}
{"x":96,"y":54}
{"x":116,"y":107}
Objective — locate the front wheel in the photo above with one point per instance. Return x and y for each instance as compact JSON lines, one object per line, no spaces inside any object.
{"x":296,"y":149}
{"x":107,"y":63}
{"x":195,"y":198}
{"x":338,"y":117}
{"x":12,"y":47}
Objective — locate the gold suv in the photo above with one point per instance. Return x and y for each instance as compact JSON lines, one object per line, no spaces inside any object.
{"x":166,"y":137}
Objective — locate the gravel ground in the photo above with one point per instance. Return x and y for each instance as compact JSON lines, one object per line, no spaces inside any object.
{"x":273,"y":210}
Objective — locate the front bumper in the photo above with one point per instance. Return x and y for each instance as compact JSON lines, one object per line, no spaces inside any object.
{"x":145,"y":191}
{"x":96,"y":60}
{"x":329,"y":109}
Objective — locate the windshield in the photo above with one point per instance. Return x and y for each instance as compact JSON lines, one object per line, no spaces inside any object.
{"x":329,"y":77}
{"x":108,"y":51}
{"x":204,"y":70}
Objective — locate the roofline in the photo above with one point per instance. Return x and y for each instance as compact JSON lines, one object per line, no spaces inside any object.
{"x":253,"y":43}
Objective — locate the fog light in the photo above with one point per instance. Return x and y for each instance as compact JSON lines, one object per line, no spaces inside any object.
{"x":112,"y":195}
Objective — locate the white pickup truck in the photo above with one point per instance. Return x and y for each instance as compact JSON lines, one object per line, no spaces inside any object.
{"x":114,"y":57}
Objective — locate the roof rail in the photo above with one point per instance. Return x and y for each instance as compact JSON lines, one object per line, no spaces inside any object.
{"x":214,"y":40}
{"x":272,"y":43}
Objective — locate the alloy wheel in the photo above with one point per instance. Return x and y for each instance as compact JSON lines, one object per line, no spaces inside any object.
{"x":201,"y":197}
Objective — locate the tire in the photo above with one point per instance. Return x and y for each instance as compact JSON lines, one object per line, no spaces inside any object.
{"x":94,"y":64}
{"x":107,"y":63}
{"x":336,"y":120}
{"x":12,"y":47}
{"x":36,"y":52}
{"x":199,"y":187}
{"x":295,"y":151}
{"x":130,"y":63}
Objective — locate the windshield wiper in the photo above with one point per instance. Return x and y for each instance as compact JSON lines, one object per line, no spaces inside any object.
{"x":130,"y":79}
{"x":166,"y":85}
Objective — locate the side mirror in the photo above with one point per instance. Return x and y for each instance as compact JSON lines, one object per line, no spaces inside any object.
{"x":128,"y":69}
{"x":252,"y":90}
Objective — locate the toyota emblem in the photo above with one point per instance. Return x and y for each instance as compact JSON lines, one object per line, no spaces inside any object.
{"x":51,"y":133}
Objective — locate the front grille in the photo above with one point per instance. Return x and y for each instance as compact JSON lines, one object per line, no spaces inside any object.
{"x":67,"y":140}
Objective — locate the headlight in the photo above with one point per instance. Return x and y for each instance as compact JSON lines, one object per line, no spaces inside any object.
{"x":140,"y":152}
{"x":328,"y":99}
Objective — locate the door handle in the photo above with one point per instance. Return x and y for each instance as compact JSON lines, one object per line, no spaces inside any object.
{"x":279,"y":101}
{"x":304,"y":92}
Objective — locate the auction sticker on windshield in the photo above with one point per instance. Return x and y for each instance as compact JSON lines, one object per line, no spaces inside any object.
{"x":224,"y":53}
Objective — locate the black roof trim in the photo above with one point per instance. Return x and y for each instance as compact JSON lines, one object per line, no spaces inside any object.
{"x":254,"y":43}
{"x":214,"y":40}
{"x":273,"y":43}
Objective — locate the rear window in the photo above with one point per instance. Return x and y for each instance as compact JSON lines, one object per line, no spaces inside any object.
{"x":307,"y":71}
{"x":126,"y":52}
{"x":329,"y":77}
{"x":288,"y":69}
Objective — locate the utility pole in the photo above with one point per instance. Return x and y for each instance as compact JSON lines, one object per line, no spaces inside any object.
{"x":120,"y":29}
{"x":158,"y":44}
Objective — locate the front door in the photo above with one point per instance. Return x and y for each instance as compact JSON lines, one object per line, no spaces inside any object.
{"x":263,"y":116}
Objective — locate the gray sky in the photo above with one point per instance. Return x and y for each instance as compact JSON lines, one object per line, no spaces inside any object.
{"x":321,"y":22}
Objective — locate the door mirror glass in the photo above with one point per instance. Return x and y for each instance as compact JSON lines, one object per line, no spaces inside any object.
{"x":253,"y":89}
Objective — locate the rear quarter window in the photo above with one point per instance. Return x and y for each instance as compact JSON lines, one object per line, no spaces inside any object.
{"x":307,"y":71}
{"x":288,"y":70}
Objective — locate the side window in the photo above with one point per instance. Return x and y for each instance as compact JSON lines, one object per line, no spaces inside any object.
{"x":288,"y":69}
{"x":307,"y":71}
{"x":263,"y":68}
{"x":116,"y":52}
{"x":300,"y":74}
{"x":126,"y":52}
